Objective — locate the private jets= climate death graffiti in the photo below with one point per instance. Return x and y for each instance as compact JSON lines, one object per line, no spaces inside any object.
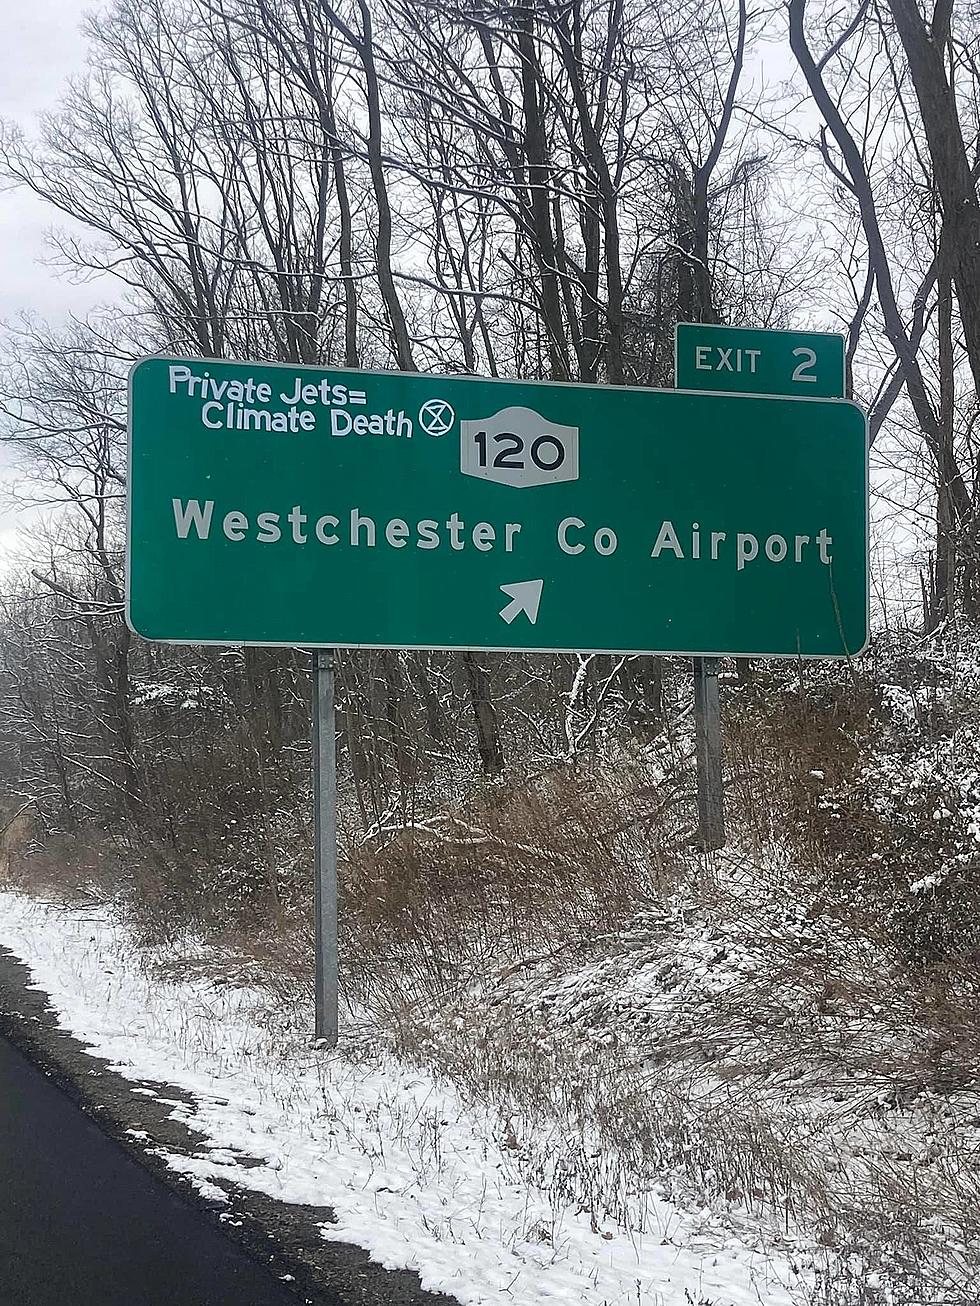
{"x":243,"y":404}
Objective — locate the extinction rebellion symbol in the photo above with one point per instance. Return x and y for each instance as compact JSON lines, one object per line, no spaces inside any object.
{"x":436,"y":417}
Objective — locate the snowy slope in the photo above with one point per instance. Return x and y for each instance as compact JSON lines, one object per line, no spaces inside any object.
{"x":414,"y":1174}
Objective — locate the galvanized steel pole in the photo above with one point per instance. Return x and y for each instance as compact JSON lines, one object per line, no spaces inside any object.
{"x":325,"y":841}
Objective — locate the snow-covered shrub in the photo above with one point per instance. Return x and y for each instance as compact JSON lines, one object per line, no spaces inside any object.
{"x":902,"y":832}
{"x":906,"y":833}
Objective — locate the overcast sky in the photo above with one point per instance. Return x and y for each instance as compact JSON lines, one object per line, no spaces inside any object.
{"x":41,"y":47}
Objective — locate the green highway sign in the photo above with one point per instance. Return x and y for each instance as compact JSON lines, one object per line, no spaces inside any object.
{"x":746,"y":360}
{"x":277,"y":504}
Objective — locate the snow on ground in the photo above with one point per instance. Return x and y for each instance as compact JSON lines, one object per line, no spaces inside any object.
{"x":413,"y":1174}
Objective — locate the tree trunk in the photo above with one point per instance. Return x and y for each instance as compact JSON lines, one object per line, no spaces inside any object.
{"x":399,"y":329}
{"x":951,"y":167}
{"x":484,"y":715}
{"x":536,"y":148}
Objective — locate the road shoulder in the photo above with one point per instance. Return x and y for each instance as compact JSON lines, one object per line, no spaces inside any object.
{"x":281,"y":1236}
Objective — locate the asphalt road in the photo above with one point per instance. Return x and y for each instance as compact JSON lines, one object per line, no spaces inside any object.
{"x":83,"y":1224}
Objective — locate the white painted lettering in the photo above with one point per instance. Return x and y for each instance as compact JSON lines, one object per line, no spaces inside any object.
{"x":454,"y":526}
{"x":321,"y":529}
{"x":297,"y":520}
{"x":605,"y":541}
{"x":746,"y":548}
{"x":428,"y":534}
{"x":483,"y":536}
{"x":235,"y":525}
{"x":564,"y":526}
{"x":206,"y":416}
{"x":193,"y":515}
{"x":396,"y":533}
{"x":269,"y":529}
{"x":356,"y":523}
{"x":256,"y":419}
{"x":667,"y":539}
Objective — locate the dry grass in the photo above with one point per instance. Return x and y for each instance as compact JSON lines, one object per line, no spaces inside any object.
{"x":517,"y":869}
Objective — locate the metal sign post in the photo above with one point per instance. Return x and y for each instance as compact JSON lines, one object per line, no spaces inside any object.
{"x":325,"y":850}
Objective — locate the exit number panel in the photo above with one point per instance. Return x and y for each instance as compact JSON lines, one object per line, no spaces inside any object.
{"x":746,"y":360}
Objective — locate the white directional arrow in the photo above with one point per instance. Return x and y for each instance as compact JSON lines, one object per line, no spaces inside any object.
{"x":525,"y":596}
